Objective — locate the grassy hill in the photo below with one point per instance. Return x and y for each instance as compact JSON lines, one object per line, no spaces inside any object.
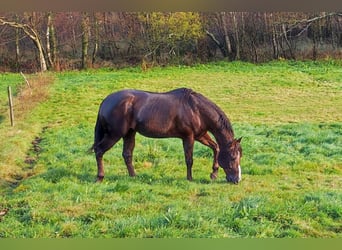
{"x":288,"y":113}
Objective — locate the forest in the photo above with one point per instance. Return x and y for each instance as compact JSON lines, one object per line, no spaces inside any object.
{"x":58,"y":41}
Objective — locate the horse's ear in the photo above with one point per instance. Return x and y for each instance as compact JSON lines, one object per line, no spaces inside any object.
{"x":234,"y":142}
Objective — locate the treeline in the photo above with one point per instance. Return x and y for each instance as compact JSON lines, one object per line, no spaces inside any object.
{"x":40,"y":41}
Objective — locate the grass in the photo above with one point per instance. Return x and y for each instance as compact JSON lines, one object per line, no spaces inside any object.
{"x":12,"y":80}
{"x":17,"y":140}
{"x":292,"y":172}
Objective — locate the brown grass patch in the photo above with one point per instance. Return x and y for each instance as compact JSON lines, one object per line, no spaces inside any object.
{"x":35,"y":91}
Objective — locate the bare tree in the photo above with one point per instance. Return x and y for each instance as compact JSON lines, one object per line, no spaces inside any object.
{"x":33,"y":34}
{"x":225,"y":32}
{"x":96,"y":38}
{"x":51,"y":41}
{"x":85,"y":40}
{"x":237,"y":38}
{"x":17,"y":48}
{"x":122,"y":37}
{"x":214,"y":31}
{"x":48,"y":50}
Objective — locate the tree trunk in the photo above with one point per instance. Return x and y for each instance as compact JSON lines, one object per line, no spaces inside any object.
{"x":17,"y":49}
{"x":275,"y":43}
{"x":288,"y":42}
{"x":237,"y":40}
{"x":226,"y":35}
{"x":107,"y":40}
{"x":217,"y":42}
{"x":42,"y":61}
{"x":96,"y":40}
{"x":48,"y":50}
{"x":314,"y":47}
{"x":85,"y":40}
{"x":274,"y":40}
{"x":51,"y":42}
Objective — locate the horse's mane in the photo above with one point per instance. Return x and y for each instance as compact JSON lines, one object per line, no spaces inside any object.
{"x":198,"y":101}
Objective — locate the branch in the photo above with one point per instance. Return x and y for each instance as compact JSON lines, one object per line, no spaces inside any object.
{"x":26,"y":28}
{"x":212,"y":36}
{"x":308,"y":22}
{"x":321,"y":17}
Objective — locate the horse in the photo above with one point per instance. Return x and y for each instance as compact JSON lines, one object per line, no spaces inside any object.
{"x":180,"y":113}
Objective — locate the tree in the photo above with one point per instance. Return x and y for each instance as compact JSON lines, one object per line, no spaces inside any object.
{"x":225,"y":31}
{"x":85,"y":40}
{"x":33,"y":34}
{"x":17,"y":48}
{"x":170,"y":33}
{"x":163,"y":37}
{"x":96,"y":38}
{"x":51,"y":41}
{"x":217,"y":31}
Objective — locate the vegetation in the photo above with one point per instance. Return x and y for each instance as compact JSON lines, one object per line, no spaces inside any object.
{"x":287,"y":112}
{"x":170,"y":32}
{"x":74,"y":40}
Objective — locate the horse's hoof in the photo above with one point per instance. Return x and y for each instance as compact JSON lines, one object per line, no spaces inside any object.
{"x":99,"y":179}
{"x":213,"y":176}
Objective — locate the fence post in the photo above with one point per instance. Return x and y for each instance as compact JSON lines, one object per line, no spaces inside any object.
{"x":10,"y":102}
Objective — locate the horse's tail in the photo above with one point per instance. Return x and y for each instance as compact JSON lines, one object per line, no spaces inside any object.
{"x":98,"y":134}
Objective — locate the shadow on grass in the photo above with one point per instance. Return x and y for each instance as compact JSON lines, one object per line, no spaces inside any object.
{"x":55,"y":175}
{"x":151,"y":179}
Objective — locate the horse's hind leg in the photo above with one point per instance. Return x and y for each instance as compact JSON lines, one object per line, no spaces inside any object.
{"x":102,"y":147}
{"x":128,"y":146}
{"x":188,"y":145}
{"x":207,"y":141}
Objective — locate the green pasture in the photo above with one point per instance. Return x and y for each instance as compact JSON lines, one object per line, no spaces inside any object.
{"x":288,"y":113}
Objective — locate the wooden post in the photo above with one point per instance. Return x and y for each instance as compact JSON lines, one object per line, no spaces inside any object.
{"x":10,"y":102}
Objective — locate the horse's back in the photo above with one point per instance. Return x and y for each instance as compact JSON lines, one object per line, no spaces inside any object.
{"x":149,"y":113}
{"x":116,"y":100}
{"x":141,"y":99}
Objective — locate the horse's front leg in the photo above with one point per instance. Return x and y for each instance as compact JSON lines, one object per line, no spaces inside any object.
{"x":216,"y":151}
{"x":128,"y":147}
{"x":188,"y":145}
{"x":207,"y":141}
{"x":100,"y":168}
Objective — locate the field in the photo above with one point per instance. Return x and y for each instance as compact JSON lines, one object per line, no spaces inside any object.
{"x":288,"y":113}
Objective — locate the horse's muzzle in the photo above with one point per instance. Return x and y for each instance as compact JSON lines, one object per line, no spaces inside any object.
{"x":234,"y":180}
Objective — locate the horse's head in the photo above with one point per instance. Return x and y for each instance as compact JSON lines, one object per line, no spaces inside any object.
{"x":229,"y":159}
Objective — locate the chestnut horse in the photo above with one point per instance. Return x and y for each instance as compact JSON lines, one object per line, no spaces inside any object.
{"x":180,"y":113}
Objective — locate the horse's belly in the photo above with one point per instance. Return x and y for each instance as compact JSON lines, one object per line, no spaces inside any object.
{"x":156,"y":128}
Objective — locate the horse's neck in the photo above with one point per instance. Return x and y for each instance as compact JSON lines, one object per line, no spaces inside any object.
{"x":223,"y":136}
{"x":219,"y":124}
{"x":222,"y":132}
